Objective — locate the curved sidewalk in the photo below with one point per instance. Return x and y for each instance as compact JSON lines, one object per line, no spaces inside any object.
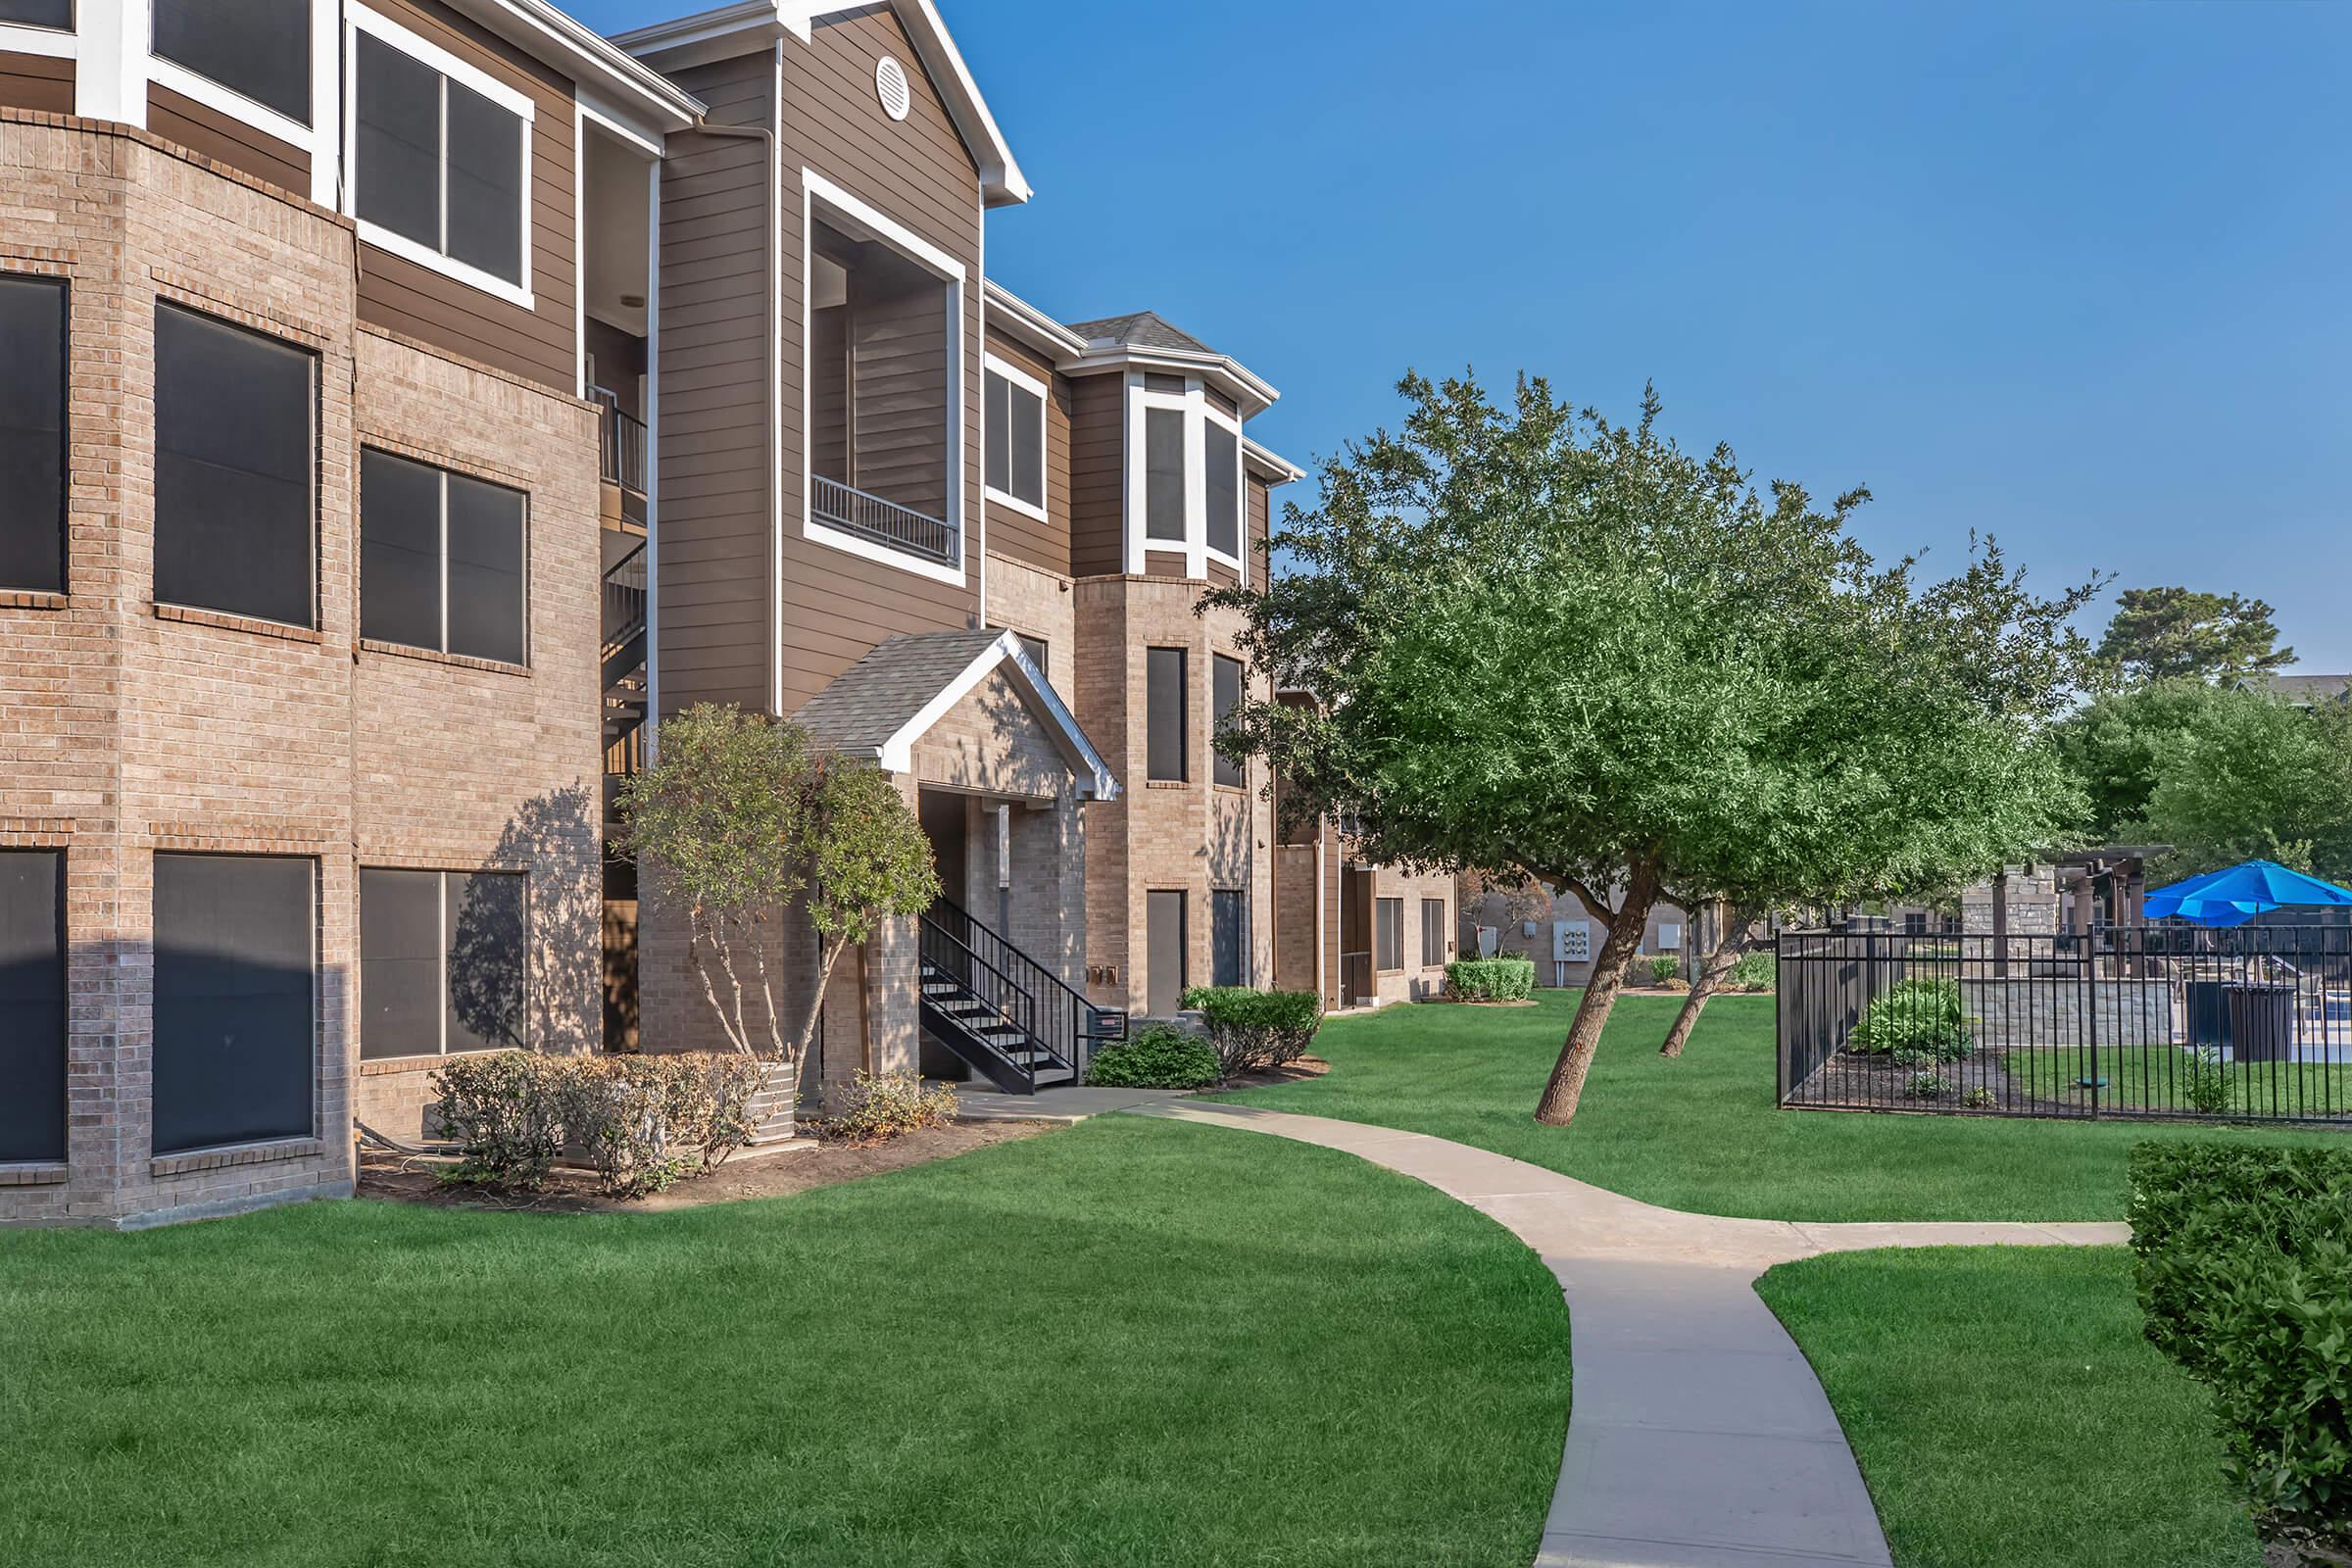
{"x":1700,"y":1436}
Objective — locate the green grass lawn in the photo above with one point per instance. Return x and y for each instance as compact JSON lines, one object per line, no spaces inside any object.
{"x":2005,"y":1409}
{"x":1703,"y":1133}
{"x":1129,"y":1343}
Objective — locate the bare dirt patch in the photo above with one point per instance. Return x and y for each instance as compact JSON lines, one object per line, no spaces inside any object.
{"x":573,"y":1192}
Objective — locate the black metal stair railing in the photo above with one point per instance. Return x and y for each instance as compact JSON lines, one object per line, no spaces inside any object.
{"x":1057,"y":1027}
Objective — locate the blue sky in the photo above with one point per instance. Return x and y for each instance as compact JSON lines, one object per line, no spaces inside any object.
{"x":2071,"y":273}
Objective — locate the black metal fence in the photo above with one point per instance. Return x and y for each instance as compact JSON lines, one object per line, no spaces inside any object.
{"x":2252,"y":1023}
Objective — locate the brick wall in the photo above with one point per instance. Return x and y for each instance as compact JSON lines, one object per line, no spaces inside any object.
{"x":128,"y":729}
{"x":1195,"y":836}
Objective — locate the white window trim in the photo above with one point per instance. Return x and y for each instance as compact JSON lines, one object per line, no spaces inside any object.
{"x":464,"y":75}
{"x":55,"y":43}
{"x":815,"y":188}
{"x":1194,"y":403}
{"x":1030,"y":384}
{"x":228,"y":101}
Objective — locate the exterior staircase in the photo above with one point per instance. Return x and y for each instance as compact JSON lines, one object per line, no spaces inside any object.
{"x":623,"y":650}
{"x":1001,"y":1011}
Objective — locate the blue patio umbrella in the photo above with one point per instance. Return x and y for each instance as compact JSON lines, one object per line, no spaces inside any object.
{"x":2236,"y":894}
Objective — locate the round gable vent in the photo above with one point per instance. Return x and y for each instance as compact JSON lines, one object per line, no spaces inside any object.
{"x":890,"y":85}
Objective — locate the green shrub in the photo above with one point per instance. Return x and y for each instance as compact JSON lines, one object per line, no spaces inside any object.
{"x":882,"y":1105}
{"x":1664,"y":968}
{"x":1925,"y":1018}
{"x":1980,"y":1097}
{"x":1158,"y":1056}
{"x":1755,"y":972}
{"x":641,"y":1120}
{"x":1927,"y":1086}
{"x":1490,"y":979}
{"x":2245,"y":1273}
{"x":2205,"y":1079}
{"x":1254,"y":1030}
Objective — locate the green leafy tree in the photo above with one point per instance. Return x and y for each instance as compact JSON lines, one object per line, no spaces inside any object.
{"x":740,"y":818}
{"x":1558,"y":647}
{"x":2175,"y":634}
{"x":2119,"y":745}
{"x":2255,"y":778}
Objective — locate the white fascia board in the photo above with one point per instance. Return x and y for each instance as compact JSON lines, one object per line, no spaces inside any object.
{"x":746,"y":27}
{"x":1230,"y":376}
{"x":1096,"y":780}
{"x":1269,"y":463}
{"x":1001,"y":182}
{"x":591,"y":62}
{"x":1023,"y":321}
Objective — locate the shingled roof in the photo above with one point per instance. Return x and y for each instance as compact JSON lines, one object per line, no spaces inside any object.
{"x":881,"y":705}
{"x":1139,"y":330}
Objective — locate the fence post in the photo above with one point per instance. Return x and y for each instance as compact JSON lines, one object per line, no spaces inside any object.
{"x":2091,"y":1015}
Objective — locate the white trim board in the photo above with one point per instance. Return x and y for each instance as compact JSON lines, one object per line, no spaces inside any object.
{"x":896,"y":755}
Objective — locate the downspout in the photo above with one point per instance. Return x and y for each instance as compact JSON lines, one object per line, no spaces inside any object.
{"x":773,"y":308}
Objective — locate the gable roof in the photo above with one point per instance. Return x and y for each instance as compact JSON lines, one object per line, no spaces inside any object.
{"x":738,"y":26}
{"x":887,"y":701}
{"x":2307,"y":690}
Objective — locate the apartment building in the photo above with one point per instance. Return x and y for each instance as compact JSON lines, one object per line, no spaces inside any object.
{"x":410,"y":402}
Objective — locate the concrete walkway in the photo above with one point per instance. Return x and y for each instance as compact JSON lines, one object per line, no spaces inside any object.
{"x":1700,"y":1436}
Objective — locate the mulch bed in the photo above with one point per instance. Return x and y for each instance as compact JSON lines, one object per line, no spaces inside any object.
{"x":1303,"y":1069}
{"x":569,"y":1190}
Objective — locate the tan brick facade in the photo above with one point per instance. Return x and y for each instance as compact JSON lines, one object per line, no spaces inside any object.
{"x":128,"y":728}
{"x":1195,"y":836}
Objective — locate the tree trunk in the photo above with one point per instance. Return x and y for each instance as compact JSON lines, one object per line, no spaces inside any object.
{"x":1734,"y":942}
{"x":1558,"y":1108}
{"x":828,"y":953}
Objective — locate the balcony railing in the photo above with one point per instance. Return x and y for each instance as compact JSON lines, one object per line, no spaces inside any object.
{"x":623,"y":450}
{"x":838,"y":505}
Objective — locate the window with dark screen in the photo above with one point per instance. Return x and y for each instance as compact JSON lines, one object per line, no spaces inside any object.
{"x":1163,"y":473}
{"x":1225,"y":678}
{"x":38,"y":13}
{"x":32,"y":1006}
{"x":1015,"y":413}
{"x":440,"y":163}
{"x":235,"y":470}
{"x":1223,"y":448}
{"x":258,"y":49}
{"x":441,"y":560}
{"x":1163,"y":714}
{"x":1388,"y":934}
{"x":1433,"y":933}
{"x":235,"y":971}
{"x":32,"y":434}
{"x":1228,"y":937}
{"x":444,"y":956}
{"x":1163,"y":952}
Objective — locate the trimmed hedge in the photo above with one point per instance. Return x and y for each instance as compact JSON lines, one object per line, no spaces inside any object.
{"x":882,"y":1105}
{"x":1490,"y":979}
{"x":1254,"y":1030}
{"x":2246,"y":1272}
{"x":642,"y":1121}
{"x":1158,"y":1056}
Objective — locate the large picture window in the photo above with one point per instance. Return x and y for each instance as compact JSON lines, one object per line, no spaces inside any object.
{"x":32,"y":434}
{"x":235,"y":969}
{"x":441,"y":160}
{"x":32,"y":1006}
{"x":235,"y":470}
{"x":1225,"y":695}
{"x":443,"y":961}
{"x":1388,"y":934}
{"x":441,"y":560}
{"x":1163,"y":714}
{"x":258,"y":49}
{"x":1017,"y":438}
